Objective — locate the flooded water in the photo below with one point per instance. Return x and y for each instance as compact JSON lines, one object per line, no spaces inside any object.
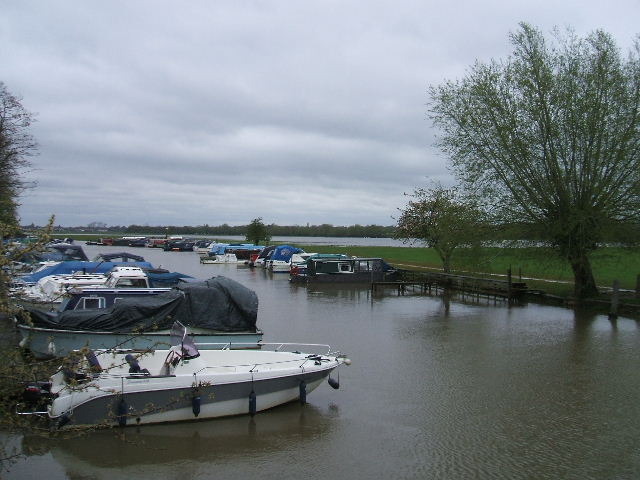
{"x":437,"y":389}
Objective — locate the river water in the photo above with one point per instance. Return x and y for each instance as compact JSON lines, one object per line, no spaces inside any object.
{"x":439,"y":388}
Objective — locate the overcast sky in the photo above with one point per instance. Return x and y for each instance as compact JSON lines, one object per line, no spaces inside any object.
{"x":212,"y":112}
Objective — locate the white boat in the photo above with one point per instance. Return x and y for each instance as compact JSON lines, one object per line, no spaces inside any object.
{"x":299,"y":260}
{"x":53,"y":288}
{"x":202,"y":247}
{"x":262,"y":260}
{"x":280,"y":260}
{"x":221,"y":258}
{"x":109,"y":388}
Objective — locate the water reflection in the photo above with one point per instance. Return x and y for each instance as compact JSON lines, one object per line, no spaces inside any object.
{"x":102,"y":454}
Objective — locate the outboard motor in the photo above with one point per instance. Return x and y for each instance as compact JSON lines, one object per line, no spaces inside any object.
{"x":37,"y":394}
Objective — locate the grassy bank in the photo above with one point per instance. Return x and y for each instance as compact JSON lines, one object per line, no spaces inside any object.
{"x":609,"y":264}
{"x":556,"y":277}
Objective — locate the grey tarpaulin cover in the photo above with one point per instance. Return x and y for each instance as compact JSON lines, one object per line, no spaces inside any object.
{"x":219,"y":304}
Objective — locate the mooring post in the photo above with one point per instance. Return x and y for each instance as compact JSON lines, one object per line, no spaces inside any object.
{"x":509,"y":283}
{"x":615,"y":297}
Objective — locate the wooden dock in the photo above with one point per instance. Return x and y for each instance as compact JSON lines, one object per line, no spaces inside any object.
{"x":409,"y":281}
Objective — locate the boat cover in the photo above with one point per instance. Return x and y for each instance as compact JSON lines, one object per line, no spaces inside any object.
{"x":219,"y":304}
{"x":285,"y":252}
{"x":158,"y":278}
{"x":121,"y":256}
{"x":57,"y":252}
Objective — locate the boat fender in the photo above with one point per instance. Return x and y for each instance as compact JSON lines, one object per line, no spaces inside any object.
{"x":24,"y":342}
{"x":252,"y":403}
{"x":335,"y":384}
{"x":122,"y":412}
{"x":195,"y":404}
{"x":51,"y":348}
{"x":303,"y":392}
{"x":63,"y":420}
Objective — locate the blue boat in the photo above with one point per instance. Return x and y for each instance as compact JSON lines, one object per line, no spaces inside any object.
{"x":280,"y":260}
{"x":103,"y":263}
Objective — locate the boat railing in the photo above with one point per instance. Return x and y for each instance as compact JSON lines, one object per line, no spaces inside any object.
{"x":320,"y":348}
{"x":316,"y":358}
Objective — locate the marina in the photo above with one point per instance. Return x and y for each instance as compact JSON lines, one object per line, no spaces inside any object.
{"x":439,"y":387}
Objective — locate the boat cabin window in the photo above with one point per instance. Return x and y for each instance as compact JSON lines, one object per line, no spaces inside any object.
{"x":345,"y":267}
{"x":132,"y":282}
{"x":91,"y":302}
{"x":364,"y":266}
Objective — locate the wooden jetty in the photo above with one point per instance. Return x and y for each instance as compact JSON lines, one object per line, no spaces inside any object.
{"x":431,"y":282}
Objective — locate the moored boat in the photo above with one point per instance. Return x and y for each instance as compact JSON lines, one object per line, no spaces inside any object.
{"x":263,"y":257}
{"x":110,"y":388}
{"x":338,"y":269}
{"x":280,"y":260}
{"x":201,"y":247}
{"x":53,"y":288}
{"x":220,"y":312}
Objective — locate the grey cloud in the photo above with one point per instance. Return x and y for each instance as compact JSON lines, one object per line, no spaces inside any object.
{"x":159,"y":112}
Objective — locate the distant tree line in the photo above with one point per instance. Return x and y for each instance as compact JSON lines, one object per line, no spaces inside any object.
{"x":324,"y":230}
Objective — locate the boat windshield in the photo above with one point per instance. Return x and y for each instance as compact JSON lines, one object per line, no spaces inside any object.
{"x":179,"y":337}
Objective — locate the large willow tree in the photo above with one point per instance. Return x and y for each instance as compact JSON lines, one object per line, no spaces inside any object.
{"x":551,"y":137}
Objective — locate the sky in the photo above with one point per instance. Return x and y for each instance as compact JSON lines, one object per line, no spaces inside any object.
{"x":211,"y":112}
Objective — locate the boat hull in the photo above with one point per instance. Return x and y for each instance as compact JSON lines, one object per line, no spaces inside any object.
{"x":159,"y":405}
{"x":47,"y":343}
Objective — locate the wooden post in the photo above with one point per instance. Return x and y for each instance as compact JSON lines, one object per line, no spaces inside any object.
{"x":615,"y":298}
{"x":638,"y":286}
{"x":509,"y":283}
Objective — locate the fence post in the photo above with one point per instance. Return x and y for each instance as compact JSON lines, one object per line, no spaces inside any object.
{"x":613,"y":313}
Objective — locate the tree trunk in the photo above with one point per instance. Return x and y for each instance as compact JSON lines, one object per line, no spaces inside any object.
{"x":446,"y":263}
{"x":585,"y":284}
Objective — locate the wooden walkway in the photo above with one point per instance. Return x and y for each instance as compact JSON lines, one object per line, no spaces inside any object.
{"x":430,"y":282}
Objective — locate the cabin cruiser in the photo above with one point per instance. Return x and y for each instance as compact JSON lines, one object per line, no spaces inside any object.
{"x":341,"y":269}
{"x":202,"y":247}
{"x":219,"y":312}
{"x":53,"y":288}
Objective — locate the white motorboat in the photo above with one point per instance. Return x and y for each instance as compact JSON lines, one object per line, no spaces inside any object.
{"x":221,"y":258}
{"x":202,"y":247}
{"x":53,"y":288}
{"x":109,"y":388}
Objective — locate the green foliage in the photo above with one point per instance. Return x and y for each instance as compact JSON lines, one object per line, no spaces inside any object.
{"x":324,"y":230}
{"x":443,"y":219}
{"x":16,"y":145}
{"x":552,"y":136}
{"x":257,"y":232}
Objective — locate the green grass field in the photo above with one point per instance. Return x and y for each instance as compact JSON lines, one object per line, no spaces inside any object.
{"x":609,"y":264}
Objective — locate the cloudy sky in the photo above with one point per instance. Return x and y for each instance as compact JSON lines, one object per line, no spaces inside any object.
{"x":221,"y":111}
